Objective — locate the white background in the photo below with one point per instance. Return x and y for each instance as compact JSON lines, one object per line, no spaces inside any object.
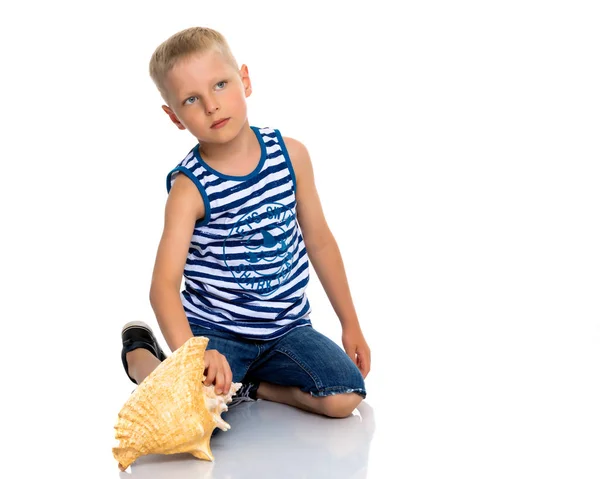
{"x":456,"y":152}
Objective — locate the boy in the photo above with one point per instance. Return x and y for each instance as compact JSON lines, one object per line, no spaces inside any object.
{"x":242,"y":220}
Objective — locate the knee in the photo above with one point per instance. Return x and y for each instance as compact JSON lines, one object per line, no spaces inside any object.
{"x":339,"y":405}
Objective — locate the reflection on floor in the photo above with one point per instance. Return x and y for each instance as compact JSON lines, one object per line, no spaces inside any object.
{"x":270,"y":440}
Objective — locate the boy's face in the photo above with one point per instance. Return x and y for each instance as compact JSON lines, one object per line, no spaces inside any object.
{"x":204,"y":89}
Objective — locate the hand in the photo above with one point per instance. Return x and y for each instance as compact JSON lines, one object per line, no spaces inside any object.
{"x":217,"y":371}
{"x":357,"y":348}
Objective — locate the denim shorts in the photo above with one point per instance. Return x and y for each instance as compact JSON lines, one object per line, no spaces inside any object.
{"x":303,"y":358}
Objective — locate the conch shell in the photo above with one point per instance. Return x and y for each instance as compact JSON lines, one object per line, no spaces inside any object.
{"x":172,"y":411}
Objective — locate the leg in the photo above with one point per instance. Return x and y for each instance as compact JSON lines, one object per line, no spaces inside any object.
{"x":337,"y":405}
{"x":141,"y":363}
{"x":238,"y":352}
{"x":305,"y":369}
{"x":141,"y":353}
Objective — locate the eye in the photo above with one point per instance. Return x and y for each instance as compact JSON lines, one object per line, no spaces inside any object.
{"x":221,"y":85}
{"x":190,"y":100}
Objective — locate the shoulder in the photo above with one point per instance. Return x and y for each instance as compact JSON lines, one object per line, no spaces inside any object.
{"x":184,"y":196}
{"x":299,"y":156}
{"x":295,"y":148}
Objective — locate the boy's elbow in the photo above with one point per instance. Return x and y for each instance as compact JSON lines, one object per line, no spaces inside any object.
{"x":152,"y":295}
{"x":158,"y":290}
{"x":323,"y":241}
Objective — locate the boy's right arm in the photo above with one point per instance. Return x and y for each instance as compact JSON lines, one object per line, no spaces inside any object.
{"x":183,"y":208}
{"x":184,"y":205}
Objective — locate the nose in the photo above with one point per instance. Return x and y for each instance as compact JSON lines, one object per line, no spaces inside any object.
{"x":210,"y":105}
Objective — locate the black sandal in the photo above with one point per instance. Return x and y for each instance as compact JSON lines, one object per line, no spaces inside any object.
{"x":137,"y":334}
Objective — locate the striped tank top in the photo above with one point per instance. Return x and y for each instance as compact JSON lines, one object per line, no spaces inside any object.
{"x":246,"y":269}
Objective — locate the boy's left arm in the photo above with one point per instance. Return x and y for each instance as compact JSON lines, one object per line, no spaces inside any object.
{"x":325,"y":256}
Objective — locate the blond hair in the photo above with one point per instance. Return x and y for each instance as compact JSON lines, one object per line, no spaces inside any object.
{"x":181,"y":45}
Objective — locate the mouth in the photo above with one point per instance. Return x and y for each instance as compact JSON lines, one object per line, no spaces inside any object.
{"x":219,"y":123}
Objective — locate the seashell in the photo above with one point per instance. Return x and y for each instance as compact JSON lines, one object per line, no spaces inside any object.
{"x":172,"y":411}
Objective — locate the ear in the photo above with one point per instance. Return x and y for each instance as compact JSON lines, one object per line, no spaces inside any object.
{"x":246,"y":80}
{"x":173,"y":117}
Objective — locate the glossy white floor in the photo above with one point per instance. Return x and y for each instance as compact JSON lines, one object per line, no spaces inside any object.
{"x":270,"y":440}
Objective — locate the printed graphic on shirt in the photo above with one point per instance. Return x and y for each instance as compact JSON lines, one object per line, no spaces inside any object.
{"x":258,"y":250}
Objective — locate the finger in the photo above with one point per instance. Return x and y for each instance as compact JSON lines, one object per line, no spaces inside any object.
{"x":228,"y":375}
{"x":351,"y":352}
{"x":364,"y":363}
{"x":361,"y":367}
{"x":220,"y":380}
{"x":365,"y":370}
{"x":365,"y":353}
{"x":210,"y":372}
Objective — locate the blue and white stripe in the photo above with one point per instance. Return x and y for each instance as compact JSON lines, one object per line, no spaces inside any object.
{"x":247,"y":269}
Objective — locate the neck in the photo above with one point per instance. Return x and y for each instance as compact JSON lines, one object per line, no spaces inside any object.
{"x":239,"y":146}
